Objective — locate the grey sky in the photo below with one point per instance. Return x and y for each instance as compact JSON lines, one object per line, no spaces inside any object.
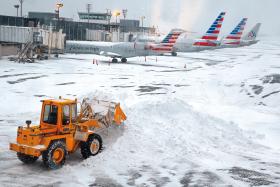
{"x":194,"y":15}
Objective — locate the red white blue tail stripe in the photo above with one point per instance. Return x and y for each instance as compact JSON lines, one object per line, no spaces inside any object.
{"x":237,"y":31}
{"x":171,"y":38}
{"x":213,"y":32}
{"x":168,"y":42}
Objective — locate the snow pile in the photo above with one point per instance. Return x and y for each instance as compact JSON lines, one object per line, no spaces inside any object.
{"x":98,"y":95}
{"x":168,"y":138}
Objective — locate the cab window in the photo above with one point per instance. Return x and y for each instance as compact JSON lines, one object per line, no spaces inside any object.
{"x":50,"y":114}
{"x":74,"y":113}
{"x":66,"y":115}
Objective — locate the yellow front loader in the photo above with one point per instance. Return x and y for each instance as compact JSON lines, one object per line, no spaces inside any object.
{"x":62,"y":130}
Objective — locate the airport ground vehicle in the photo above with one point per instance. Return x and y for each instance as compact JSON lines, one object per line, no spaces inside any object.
{"x":62,"y":130}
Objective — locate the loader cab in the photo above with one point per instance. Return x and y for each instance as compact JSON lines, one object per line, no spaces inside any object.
{"x":58,"y":115}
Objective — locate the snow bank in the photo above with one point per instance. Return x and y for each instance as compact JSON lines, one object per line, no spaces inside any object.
{"x":167,"y":135}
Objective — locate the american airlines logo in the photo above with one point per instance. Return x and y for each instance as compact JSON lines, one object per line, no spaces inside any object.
{"x":252,"y":34}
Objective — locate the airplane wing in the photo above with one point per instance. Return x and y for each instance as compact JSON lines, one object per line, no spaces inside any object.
{"x":110,"y":54}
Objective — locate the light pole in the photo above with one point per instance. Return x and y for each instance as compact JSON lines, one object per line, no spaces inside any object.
{"x":21,"y":2}
{"x":17,"y":7}
{"x":88,"y":11}
{"x":116,"y":14}
{"x":142,"y":20}
{"x":109,"y":15}
{"x":58,"y":6}
{"x":124,"y":11}
{"x":22,"y":21}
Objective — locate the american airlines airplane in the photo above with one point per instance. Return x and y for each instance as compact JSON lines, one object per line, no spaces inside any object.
{"x":251,"y":37}
{"x":208,"y":41}
{"x":235,"y":39}
{"x":126,"y":50}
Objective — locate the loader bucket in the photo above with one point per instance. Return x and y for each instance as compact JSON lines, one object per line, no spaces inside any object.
{"x":105,"y":112}
{"x":119,"y":116}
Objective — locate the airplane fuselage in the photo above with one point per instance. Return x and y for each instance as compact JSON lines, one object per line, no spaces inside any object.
{"x":188,"y":45}
{"x":86,"y":47}
{"x":240,"y":43}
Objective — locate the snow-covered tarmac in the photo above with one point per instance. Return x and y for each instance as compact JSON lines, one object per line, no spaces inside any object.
{"x":214,"y":123}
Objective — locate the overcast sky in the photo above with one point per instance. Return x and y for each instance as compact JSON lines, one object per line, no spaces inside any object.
{"x":192,"y":15}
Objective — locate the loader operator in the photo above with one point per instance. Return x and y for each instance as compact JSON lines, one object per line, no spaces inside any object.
{"x":50,"y":114}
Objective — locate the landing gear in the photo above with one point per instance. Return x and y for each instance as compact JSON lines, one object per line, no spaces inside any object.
{"x":124,"y":60}
{"x":174,"y":54}
{"x":115,"y":60}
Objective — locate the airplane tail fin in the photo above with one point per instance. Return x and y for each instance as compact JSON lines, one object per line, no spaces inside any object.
{"x":172,"y":37}
{"x":236,"y":33}
{"x":214,"y":30}
{"x":252,"y":35}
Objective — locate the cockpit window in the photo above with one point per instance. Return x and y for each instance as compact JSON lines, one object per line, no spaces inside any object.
{"x":50,"y":114}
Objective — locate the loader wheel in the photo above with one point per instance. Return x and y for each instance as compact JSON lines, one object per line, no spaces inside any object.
{"x":54,"y":157}
{"x":92,"y":146}
{"x":27,"y":159}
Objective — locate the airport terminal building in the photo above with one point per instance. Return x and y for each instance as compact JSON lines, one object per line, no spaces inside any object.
{"x":18,"y":31}
{"x":91,"y":26}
